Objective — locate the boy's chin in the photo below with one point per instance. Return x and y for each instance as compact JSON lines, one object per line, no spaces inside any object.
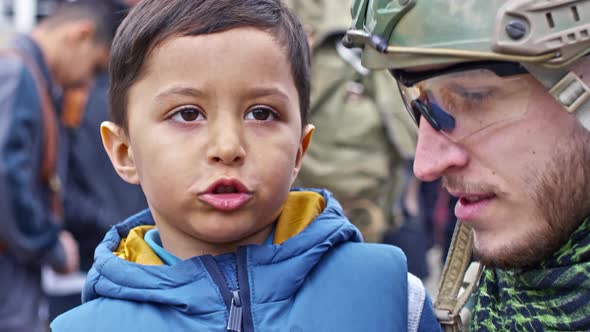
{"x":236,"y":237}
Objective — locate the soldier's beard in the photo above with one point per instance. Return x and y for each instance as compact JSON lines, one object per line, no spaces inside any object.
{"x":562,"y":198}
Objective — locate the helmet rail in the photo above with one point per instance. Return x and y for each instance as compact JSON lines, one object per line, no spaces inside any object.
{"x":355,"y":37}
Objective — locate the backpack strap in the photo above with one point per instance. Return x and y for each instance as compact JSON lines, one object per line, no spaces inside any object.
{"x":47,"y":173}
{"x":74,"y":106}
{"x":456,"y":285}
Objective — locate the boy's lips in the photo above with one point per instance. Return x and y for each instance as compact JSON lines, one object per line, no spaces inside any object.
{"x":226,"y":195}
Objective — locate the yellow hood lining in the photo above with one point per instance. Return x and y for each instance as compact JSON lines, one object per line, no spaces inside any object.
{"x":300,"y":209}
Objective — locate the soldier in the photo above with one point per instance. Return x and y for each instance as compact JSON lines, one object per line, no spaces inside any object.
{"x":499,"y":90}
{"x":363,"y":133}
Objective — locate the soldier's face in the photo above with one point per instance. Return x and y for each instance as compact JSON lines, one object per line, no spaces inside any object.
{"x":523,"y":185}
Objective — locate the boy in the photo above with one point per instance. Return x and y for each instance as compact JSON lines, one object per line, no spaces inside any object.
{"x":208,"y":100}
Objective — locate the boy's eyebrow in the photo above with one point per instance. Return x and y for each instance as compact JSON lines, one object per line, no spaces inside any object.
{"x":192,"y":92}
{"x":187,"y":91}
{"x":267,"y":91}
{"x":179,"y":90}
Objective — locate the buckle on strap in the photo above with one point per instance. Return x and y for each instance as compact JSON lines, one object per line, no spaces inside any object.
{"x":571,"y":92}
{"x":452,"y":320}
{"x":448,"y":321}
{"x":55,"y":184}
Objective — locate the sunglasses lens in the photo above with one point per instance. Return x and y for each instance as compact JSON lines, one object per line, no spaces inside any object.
{"x":445,"y":120}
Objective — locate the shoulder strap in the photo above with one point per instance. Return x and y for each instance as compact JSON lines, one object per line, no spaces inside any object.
{"x":450,"y":300}
{"x":74,"y":106}
{"x":47,"y":172}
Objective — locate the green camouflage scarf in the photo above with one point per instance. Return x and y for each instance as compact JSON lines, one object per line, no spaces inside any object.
{"x":554,"y":297}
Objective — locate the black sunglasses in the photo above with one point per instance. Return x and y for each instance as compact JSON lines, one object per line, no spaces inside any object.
{"x":500,"y":68}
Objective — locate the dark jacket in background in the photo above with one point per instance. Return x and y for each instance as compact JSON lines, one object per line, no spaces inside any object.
{"x":28,"y":231}
{"x":96,"y":197}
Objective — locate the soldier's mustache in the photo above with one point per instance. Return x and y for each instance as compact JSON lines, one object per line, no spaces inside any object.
{"x":459,"y":184}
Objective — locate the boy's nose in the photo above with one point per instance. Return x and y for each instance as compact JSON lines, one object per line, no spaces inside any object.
{"x":226,"y":146}
{"x":436,"y":153}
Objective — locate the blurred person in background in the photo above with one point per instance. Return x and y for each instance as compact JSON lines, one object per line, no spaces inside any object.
{"x":64,"y":50}
{"x":363,"y":135}
{"x":416,"y":208}
{"x":95,"y":196}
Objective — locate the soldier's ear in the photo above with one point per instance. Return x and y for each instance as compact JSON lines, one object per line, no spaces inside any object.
{"x":116,"y":144}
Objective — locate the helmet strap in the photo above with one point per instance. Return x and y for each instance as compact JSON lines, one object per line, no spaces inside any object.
{"x":568,"y":88}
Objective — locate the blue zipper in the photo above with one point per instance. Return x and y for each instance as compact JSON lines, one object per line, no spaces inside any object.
{"x":237,"y":301}
{"x":242,"y":262}
{"x":234,"y":321}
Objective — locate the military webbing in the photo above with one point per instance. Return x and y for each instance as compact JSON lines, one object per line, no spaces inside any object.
{"x":47,"y":172}
{"x":449,"y":300}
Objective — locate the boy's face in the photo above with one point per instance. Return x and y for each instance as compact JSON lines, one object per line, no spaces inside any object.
{"x":215,"y":139}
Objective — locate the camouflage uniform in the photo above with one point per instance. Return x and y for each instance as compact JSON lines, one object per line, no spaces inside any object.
{"x":363,"y":133}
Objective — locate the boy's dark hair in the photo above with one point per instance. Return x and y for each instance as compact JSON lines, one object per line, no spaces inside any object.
{"x":153,"y":21}
{"x":104,"y":16}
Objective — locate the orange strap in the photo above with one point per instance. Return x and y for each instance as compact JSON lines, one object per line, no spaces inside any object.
{"x":48,"y":174}
{"x":74,"y":105}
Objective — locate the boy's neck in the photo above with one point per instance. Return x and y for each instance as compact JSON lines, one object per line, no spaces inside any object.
{"x":179,"y":244}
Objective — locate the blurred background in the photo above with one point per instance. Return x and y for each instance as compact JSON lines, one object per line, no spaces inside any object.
{"x":21,"y":15}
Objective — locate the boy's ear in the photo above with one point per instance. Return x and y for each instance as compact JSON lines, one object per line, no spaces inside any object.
{"x":116,"y":144}
{"x":305,"y":141}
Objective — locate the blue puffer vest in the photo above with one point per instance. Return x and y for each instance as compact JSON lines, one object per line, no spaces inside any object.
{"x":322,"y":279}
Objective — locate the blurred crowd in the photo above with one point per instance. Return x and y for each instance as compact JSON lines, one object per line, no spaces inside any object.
{"x":362,"y":151}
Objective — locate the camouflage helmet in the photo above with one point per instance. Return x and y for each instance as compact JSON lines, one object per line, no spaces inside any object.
{"x":547,"y":37}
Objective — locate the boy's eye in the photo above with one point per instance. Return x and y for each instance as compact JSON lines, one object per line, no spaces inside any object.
{"x":188,"y":114}
{"x":261,"y":114}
